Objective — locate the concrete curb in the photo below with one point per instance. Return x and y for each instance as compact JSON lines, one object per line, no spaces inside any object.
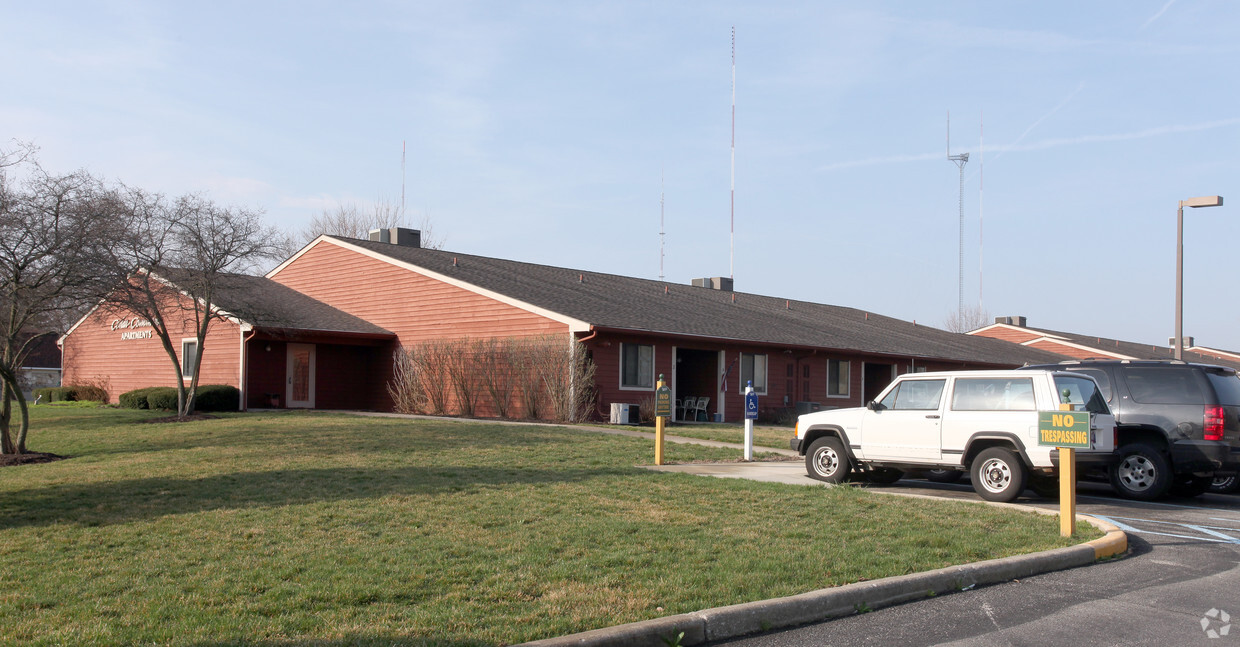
{"x":764,"y":615}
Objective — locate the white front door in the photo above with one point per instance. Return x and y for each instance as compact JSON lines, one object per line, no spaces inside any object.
{"x":300,"y":376}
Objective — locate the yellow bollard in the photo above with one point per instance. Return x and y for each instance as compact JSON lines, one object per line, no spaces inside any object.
{"x":1067,"y":486}
{"x":658,"y":425}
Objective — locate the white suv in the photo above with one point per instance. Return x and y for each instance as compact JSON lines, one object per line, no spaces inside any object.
{"x":985,"y":422}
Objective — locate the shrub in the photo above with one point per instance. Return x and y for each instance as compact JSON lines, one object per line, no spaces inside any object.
{"x":89,"y":392}
{"x":162,"y":397}
{"x":135,"y":399}
{"x":216,"y":397}
{"x":56,"y":394}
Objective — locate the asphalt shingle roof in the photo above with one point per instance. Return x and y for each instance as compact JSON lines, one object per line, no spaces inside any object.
{"x":264,"y":303}
{"x":625,"y":303}
{"x":1134,"y":349}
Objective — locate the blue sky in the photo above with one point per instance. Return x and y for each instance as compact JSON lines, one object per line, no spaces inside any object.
{"x":538,"y":131}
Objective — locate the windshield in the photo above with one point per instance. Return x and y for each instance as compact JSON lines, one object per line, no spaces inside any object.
{"x":1080,"y":392}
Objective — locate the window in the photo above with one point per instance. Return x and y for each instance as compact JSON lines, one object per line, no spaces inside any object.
{"x":915,"y":394}
{"x":837,"y":378}
{"x":636,"y":366}
{"x":1100,"y":376}
{"x":1081,"y":393}
{"x":1171,"y":385}
{"x":189,"y":348}
{"x":753,"y":367}
{"x":995,"y":394}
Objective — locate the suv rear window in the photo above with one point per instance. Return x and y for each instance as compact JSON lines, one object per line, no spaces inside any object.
{"x":993,"y":394}
{"x":1171,"y":385}
{"x":1081,"y":392}
{"x":1227,"y":385}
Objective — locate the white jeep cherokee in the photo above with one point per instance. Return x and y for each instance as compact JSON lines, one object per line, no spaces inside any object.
{"x":984,"y":422}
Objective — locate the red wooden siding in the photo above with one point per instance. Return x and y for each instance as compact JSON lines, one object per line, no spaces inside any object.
{"x":1063,"y":349}
{"x":415,"y":307}
{"x":405,"y":302}
{"x":1014,"y":335}
{"x":95,"y":353}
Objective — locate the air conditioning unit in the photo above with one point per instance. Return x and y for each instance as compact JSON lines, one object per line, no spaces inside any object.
{"x":625,"y":414}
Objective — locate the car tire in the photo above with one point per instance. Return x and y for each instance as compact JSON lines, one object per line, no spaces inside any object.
{"x":1142,"y":472}
{"x":944,"y":476}
{"x":998,"y":474}
{"x":1225,"y":484}
{"x":826,"y":460}
{"x":1190,"y":485}
{"x":884,"y":475}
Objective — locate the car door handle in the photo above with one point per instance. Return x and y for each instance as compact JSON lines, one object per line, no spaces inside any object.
{"x":932,"y":415}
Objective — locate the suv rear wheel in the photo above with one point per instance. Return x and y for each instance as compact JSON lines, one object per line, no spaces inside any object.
{"x":1142,"y":472}
{"x":1226,"y":484}
{"x":998,"y":474}
{"x":826,"y":460}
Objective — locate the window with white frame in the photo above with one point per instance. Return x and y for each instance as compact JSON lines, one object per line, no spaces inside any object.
{"x":636,"y":366}
{"x":753,"y":367}
{"x":189,"y":348}
{"x":837,"y":378}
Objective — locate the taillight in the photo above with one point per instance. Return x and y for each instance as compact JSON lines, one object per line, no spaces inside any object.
{"x":1214,"y":423}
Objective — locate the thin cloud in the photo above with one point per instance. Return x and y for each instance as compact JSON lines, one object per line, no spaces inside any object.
{"x":1158,"y":15}
{"x":1118,"y":137}
{"x":1045,"y":144}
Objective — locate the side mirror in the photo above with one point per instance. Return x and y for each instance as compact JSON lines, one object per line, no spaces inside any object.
{"x":872,"y":405}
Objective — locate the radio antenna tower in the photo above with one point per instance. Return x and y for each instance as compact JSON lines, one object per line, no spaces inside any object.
{"x":981,"y":187}
{"x":402,"y":178}
{"x":959,"y":160}
{"x":732,"y":234}
{"x":660,"y":224}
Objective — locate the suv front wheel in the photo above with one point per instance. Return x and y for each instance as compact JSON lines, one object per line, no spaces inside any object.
{"x":998,"y":474}
{"x":826,"y":460}
{"x":1142,"y":473}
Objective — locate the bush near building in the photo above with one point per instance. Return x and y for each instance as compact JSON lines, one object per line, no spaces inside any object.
{"x":210,"y":397}
{"x":72,"y":393}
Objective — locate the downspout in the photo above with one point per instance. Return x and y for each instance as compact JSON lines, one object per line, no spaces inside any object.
{"x":243,"y":404}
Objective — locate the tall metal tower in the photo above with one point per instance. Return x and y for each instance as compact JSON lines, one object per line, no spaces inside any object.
{"x":959,"y":160}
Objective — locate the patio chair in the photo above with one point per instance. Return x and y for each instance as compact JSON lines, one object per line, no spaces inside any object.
{"x":699,"y":410}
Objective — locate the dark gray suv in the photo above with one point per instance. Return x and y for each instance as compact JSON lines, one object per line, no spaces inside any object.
{"x":1178,"y":423}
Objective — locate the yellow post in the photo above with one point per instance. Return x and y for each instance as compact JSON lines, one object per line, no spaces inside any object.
{"x":1067,"y":486}
{"x":658,"y":431}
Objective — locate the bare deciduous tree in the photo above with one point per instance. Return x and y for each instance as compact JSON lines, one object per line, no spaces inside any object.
{"x":353,"y":221}
{"x":972,"y":318}
{"x":53,"y":231}
{"x":179,"y":256}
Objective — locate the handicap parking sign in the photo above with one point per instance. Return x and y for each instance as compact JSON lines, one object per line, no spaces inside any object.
{"x":751,"y":406}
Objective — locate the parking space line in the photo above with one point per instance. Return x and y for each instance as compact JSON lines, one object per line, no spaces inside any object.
{"x":1208,"y":531}
{"x":1127,"y":528}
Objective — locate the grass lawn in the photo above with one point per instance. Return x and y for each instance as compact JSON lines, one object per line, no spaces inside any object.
{"x":302,"y":528}
{"x":763,"y":436}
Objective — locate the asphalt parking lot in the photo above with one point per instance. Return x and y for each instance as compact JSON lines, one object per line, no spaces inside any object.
{"x":1178,"y":583}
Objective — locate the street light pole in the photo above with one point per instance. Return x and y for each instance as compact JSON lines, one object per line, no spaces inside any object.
{"x":1206,"y":201}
